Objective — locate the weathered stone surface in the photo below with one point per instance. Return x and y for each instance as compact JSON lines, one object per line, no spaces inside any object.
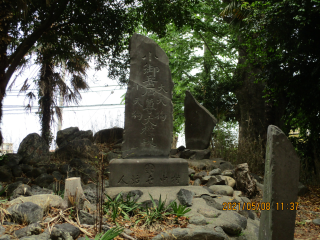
{"x":32,"y":229}
{"x":197,"y":219}
{"x":185,"y":197}
{"x":11,"y":159}
{"x":22,"y":190}
{"x":111,"y":135}
{"x":199,"y":123}
{"x":79,"y":148}
{"x":302,"y":189}
{"x":199,"y":175}
{"x":244,"y":180}
{"x":5,"y":174}
{"x":44,"y":180}
{"x":216,"y":180}
{"x":42,"y":200}
{"x":209,"y":164}
{"x":65,"y":135}
{"x":209,"y":212}
{"x":218,"y":189}
{"x":229,"y":181}
{"x":64,"y":231}
{"x":281,"y":180}
{"x":86,"y":218}
{"x":33,"y":149}
{"x":216,"y":171}
{"x":42,"y":236}
{"x":26,"y":212}
{"x":148,"y":108}
{"x":316,"y":221}
{"x":148,"y":172}
{"x":197,"y":182}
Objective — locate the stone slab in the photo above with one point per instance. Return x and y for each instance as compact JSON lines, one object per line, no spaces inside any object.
{"x":168,"y":192}
{"x":280,"y":189}
{"x":199,"y":124}
{"x":148,"y":107}
{"x":148,"y":172}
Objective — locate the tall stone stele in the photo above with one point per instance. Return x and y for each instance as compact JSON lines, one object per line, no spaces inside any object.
{"x":148,"y":122}
{"x":280,"y":191}
{"x":199,"y":124}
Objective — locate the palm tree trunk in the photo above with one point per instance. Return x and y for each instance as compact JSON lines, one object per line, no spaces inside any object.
{"x":46,"y":98}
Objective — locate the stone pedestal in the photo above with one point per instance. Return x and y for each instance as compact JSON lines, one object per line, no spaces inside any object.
{"x":149,"y":172}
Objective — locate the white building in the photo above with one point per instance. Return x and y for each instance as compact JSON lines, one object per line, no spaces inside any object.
{"x":6,"y":148}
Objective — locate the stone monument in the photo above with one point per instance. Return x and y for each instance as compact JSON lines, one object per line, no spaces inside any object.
{"x":280,"y":191}
{"x":199,"y":124}
{"x":148,"y":122}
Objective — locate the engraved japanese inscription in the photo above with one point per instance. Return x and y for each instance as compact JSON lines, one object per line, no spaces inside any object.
{"x":148,"y":119}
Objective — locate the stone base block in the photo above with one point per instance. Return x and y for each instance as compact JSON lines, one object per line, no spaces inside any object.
{"x":149,"y":172}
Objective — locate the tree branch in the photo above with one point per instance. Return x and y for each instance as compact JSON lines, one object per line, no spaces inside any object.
{"x":214,"y":56}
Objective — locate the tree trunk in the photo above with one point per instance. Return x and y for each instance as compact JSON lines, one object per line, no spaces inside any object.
{"x":46,"y":86}
{"x":73,"y":193}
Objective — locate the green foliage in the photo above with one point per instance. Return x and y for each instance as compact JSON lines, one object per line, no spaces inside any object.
{"x":3,"y":157}
{"x":3,"y":190}
{"x":180,"y":210}
{"x":155,"y":213}
{"x":108,"y":235}
{"x":120,"y":206}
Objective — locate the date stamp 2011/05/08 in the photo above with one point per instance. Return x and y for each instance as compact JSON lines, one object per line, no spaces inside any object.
{"x":233,"y":206}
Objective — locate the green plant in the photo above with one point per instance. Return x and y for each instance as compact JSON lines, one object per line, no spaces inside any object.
{"x":180,"y":210}
{"x":3,"y":190}
{"x":108,"y":235}
{"x":157,"y":212}
{"x":119,"y":206}
{"x":3,"y":157}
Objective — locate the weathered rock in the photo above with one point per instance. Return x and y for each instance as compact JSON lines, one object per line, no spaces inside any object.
{"x":5,"y":174}
{"x":229,"y":181}
{"x":216,"y":171}
{"x":187,"y":153}
{"x":17,"y":171}
{"x":148,"y":111}
{"x":201,"y":154}
{"x":197,"y":219}
{"x":42,"y":236}
{"x":57,"y":175}
{"x":218,"y":189}
{"x":36,"y":190}
{"x":43,"y":200}
{"x":86,"y":218}
{"x":26,"y":212}
{"x":32,"y":229}
{"x":281,"y":169}
{"x":77,"y":148}
{"x":64,"y":231}
{"x":216,"y":180}
{"x":209,"y":212}
{"x":228,"y":173}
{"x":244,"y":181}
{"x":210,"y":201}
{"x":199,"y":123}
{"x":26,"y":168}
{"x":302,"y":189}
{"x":111,"y":135}
{"x":51,"y":168}
{"x":36,"y":172}
{"x":33,"y":149}
{"x":22,"y":190}
{"x":197,"y":182}
{"x":316,"y":221}
{"x":11,"y":187}
{"x":5,"y":237}
{"x":191,"y":171}
{"x":2,"y":230}
{"x":65,"y":135}
{"x":44,"y":180}
{"x":185,"y":197}
{"x":11,"y":160}
{"x":199,"y":175}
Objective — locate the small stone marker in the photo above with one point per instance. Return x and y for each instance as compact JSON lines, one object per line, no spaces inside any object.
{"x":280,"y":188}
{"x":148,"y":123}
{"x":199,"y":124}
